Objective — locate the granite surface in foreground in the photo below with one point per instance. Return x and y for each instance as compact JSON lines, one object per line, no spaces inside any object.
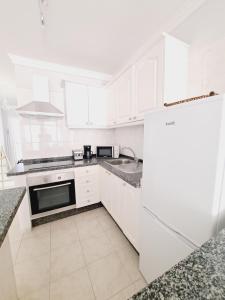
{"x":10,"y":200}
{"x":200,"y":276}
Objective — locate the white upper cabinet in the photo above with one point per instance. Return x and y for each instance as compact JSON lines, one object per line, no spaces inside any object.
{"x":123,"y":94}
{"x":111,"y":106}
{"x":97,"y":107}
{"x":175,"y":69}
{"x":160,"y":76}
{"x":148,"y":81}
{"x":77,"y":102}
{"x":85,"y":106}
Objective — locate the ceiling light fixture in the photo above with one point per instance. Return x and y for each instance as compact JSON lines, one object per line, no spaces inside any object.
{"x":43,"y":4}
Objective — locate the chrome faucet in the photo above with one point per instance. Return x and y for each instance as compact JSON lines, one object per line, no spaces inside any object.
{"x":132,"y":151}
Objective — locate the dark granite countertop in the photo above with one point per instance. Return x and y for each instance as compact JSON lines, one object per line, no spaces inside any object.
{"x":33,"y":166}
{"x":200,"y":276}
{"x":9,"y":203}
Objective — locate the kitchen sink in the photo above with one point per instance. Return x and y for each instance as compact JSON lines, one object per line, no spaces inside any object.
{"x":126,"y":165}
{"x":119,"y":162}
{"x":131,"y":168}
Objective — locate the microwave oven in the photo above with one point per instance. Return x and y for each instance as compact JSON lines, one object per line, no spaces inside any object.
{"x":107,"y":151}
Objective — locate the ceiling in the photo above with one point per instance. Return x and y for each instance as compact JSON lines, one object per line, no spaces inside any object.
{"x":204,"y":26}
{"x":99,"y":35}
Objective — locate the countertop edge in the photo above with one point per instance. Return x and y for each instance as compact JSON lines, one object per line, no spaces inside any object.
{"x":11,"y":217}
{"x":120,"y":174}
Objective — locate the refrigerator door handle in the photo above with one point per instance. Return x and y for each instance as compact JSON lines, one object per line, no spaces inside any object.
{"x":184,"y":239}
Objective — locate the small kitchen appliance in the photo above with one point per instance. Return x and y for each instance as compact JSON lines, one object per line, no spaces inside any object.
{"x":77,"y":154}
{"x":107,"y":151}
{"x":87,"y":152}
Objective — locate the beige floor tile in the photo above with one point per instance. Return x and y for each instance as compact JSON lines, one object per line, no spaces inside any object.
{"x":63,"y":232}
{"x":130,"y":290}
{"x":74,"y":287}
{"x":117,"y":238}
{"x":65,"y":260}
{"x":41,"y":230}
{"x":108,"y":276}
{"x":31,"y":275}
{"x":130,"y":259}
{"x":96,"y":248}
{"x":41,"y":294}
{"x":107,"y":222}
{"x":99,"y":212}
{"x":63,"y":224}
{"x":33,"y":247}
{"x":86,"y":216}
{"x":89,"y":228}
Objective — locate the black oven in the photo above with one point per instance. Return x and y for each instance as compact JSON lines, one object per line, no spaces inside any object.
{"x":51,"y":192}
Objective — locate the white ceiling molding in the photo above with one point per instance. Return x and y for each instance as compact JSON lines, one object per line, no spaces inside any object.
{"x":44,"y":65}
{"x":179,"y":17}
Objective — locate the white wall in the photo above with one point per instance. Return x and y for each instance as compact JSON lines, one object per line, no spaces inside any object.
{"x":132,"y":136}
{"x":50,"y":137}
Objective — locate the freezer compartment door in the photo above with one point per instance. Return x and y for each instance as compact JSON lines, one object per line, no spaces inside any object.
{"x":181,"y":167}
{"x":160,"y":248}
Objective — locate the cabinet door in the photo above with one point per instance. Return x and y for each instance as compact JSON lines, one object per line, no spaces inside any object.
{"x":124,"y":97}
{"x":116,"y":199}
{"x":148,"y":81}
{"x":106,"y":191}
{"x":97,"y":107}
{"x":111,"y":105}
{"x":76,"y":97}
{"x":130,"y":209}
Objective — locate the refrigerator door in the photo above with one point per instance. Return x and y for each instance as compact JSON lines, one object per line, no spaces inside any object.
{"x":161,"y":248}
{"x":183,"y":169}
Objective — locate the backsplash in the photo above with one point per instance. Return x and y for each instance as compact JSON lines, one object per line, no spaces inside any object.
{"x":131,"y":136}
{"x":51,"y":137}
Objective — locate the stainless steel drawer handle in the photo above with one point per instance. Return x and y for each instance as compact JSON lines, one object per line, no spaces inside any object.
{"x":51,"y":187}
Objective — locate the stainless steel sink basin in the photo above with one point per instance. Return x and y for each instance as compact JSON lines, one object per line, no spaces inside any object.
{"x":119,"y":162}
{"x":126,"y":165}
{"x":131,"y":168}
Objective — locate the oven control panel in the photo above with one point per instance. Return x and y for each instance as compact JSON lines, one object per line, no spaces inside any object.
{"x":50,"y":178}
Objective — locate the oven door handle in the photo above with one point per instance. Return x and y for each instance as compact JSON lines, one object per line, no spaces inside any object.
{"x":51,"y":187}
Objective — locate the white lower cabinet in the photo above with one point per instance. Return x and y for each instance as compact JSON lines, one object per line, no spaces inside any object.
{"x":87,"y":185}
{"x":123,"y":203}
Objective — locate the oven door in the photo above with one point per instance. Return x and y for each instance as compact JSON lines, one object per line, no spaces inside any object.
{"x":51,"y":196}
{"x":104,"y":151}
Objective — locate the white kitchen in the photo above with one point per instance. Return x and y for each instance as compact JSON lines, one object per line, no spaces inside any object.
{"x":112,"y":150}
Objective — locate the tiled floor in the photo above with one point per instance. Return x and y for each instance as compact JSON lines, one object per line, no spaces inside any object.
{"x":81,"y":257}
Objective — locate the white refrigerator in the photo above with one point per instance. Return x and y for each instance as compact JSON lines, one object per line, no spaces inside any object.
{"x":183,"y":202}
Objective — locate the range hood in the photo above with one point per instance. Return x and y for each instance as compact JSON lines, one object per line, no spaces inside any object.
{"x":40,"y":104}
{"x":39,"y":108}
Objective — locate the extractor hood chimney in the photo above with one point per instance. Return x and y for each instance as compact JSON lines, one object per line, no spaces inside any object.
{"x":40,"y":105}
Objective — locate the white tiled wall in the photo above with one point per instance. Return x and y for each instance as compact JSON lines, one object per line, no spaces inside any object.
{"x":132,"y":136}
{"x":50,"y":137}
